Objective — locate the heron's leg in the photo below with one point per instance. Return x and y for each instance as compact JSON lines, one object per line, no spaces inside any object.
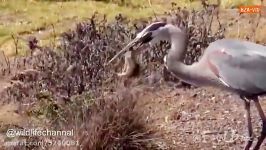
{"x":248,"y":123}
{"x":263,"y":118}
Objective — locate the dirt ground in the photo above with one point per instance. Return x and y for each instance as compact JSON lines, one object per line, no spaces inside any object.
{"x":191,"y":119}
{"x":199,"y":118}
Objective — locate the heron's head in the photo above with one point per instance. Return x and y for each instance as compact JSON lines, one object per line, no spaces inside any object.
{"x":159,"y":31}
{"x":152,"y":34}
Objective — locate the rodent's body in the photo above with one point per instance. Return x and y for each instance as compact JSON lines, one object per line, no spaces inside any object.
{"x":129,"y":66}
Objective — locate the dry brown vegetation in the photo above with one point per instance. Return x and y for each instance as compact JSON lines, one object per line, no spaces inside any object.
{"x":68,"y":87}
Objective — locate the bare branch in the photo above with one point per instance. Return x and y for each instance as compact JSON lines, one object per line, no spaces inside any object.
{"x":15,"y":40}
{"x":54,"y":35}
{"x":7,"y":62}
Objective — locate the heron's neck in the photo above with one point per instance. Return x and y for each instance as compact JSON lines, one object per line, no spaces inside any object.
{"x":178,"y":46}
{"x":188,"y":73}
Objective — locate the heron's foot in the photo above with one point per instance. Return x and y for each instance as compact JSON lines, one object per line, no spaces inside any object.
{"x":262,"y":136}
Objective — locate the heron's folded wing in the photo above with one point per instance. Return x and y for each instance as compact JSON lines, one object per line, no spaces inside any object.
{"x":241,"y":69}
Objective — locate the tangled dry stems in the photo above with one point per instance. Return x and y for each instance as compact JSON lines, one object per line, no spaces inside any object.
{"x":114,"y":126}
{"x":67,"y":84}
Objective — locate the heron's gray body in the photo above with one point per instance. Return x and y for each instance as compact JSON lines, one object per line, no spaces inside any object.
{"x":239,"y":65}
{"x":235,"y":65}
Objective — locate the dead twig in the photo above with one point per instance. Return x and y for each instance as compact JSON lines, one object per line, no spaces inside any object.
{"x":238,"y":25}
{"x":7,"y":62}
{"x":54,"y":35}
{"x":15,"y":40}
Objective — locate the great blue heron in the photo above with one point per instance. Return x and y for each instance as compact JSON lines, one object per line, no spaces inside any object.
{"x":234,"y":65}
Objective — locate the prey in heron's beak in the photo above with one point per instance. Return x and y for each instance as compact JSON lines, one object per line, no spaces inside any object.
{"x":145,"y":36}
{"x":138,"y":41}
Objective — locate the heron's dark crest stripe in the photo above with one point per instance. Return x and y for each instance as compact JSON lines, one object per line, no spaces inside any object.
{"x":155,"y":26}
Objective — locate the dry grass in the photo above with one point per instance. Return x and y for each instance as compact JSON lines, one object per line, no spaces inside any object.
{"x":37,"y":17}
{"x":47,"y":19}
{"x":83,"y":100}
{"x":117,"y":123}
{"x":8,"y":115}
{"x":236,"y":3}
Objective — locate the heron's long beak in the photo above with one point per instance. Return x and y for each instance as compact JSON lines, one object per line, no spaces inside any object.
{"x":129,"y":45}
{"x":139,"y":40}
